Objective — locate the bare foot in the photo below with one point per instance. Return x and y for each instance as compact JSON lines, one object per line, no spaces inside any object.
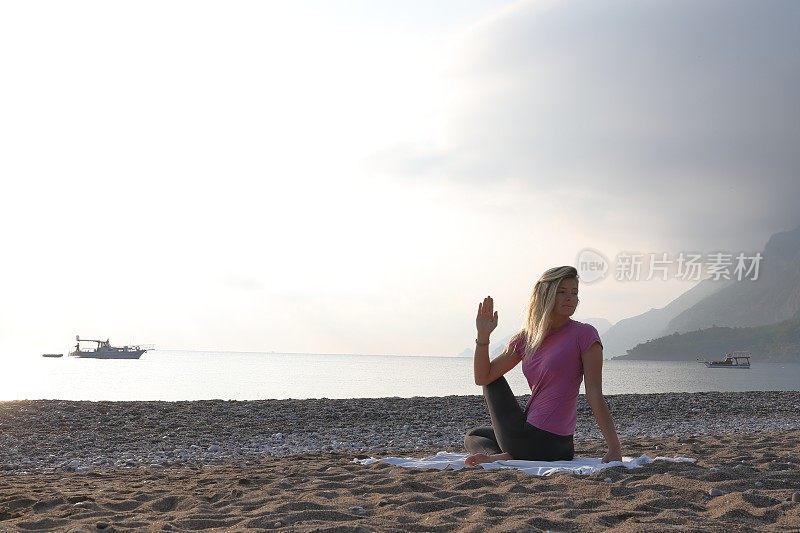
{"x":477,"y":458}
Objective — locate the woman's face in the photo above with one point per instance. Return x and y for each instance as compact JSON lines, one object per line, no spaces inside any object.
{"x":566,"y":297}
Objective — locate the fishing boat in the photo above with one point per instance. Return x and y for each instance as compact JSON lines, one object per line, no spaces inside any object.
{"x":104,"y":350}
{"x":52,"y":355}
{"x":732,"y":360}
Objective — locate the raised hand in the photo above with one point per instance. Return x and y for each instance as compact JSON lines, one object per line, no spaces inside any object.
{"x":486,"y":320}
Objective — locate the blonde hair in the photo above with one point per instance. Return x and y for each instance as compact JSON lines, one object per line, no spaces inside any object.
{"x":537,"y":315}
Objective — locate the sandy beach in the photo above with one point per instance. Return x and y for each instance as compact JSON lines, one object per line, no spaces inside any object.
{"x":288,"y":465}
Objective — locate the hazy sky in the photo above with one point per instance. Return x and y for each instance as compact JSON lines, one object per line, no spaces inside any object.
{"x":355,"y":176}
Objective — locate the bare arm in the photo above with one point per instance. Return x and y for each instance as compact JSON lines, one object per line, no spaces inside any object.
{"x":487,"y":371}
{"x":593,"y":382}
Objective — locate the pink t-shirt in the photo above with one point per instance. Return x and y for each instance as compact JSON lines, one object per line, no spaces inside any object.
{"x":554,"y":374}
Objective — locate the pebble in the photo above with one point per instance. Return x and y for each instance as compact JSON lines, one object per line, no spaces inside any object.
{"x":716,"y":492}
{"x":357,"y":509}
{"x":607,"y":480}
{"x":56,"y":435}
{"x":796,"y":497}
{"x":101,"y":525}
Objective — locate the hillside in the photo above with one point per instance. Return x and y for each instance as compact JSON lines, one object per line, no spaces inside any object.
{"x":651,"y":324}
{"x":774,"y":343}
{"x":772,"y":298}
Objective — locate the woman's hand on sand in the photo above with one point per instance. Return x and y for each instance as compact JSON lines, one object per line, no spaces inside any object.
{"x":612,"y":455}
{"x":486,"y":320}
{"x":477,"y":458}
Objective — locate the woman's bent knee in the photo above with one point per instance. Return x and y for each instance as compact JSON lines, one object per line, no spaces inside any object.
{"x":499,"y":382}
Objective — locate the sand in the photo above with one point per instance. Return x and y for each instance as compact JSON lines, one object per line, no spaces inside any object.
{"x":744,"y":480}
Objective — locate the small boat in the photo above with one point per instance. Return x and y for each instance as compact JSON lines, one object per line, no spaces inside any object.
{"x":104,"y":350}
{"x":52,"y":355}
{"x":732,"y":360}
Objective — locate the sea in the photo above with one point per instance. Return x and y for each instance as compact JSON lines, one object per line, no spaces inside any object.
{"x":182,"y":375}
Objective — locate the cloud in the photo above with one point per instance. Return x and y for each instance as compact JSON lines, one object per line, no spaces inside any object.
{"x":681,"y":116}
{"x":243,"y":283}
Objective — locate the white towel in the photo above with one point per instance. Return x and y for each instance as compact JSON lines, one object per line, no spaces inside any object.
{"x":584,"y":466}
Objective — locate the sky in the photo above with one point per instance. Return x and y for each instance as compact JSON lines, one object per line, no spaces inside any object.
{"x":356,"y":176}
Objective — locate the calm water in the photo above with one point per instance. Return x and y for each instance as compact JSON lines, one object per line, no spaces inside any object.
{"x":174,"y":375}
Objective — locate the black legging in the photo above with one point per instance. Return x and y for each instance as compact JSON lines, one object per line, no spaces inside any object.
{"x":511,"y":433}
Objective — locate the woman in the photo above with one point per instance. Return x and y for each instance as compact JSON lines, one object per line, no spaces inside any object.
{"x":556,"y":354}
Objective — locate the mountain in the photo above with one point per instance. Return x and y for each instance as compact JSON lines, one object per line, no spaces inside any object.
{"x":761,"y":315}
{"x":772,"y":298}
{"x":651,"y":324}
{"x":495,"y":348}
{"x":774,"y":343}
{"x":468,"y":352}
{"x":600,"y":324}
